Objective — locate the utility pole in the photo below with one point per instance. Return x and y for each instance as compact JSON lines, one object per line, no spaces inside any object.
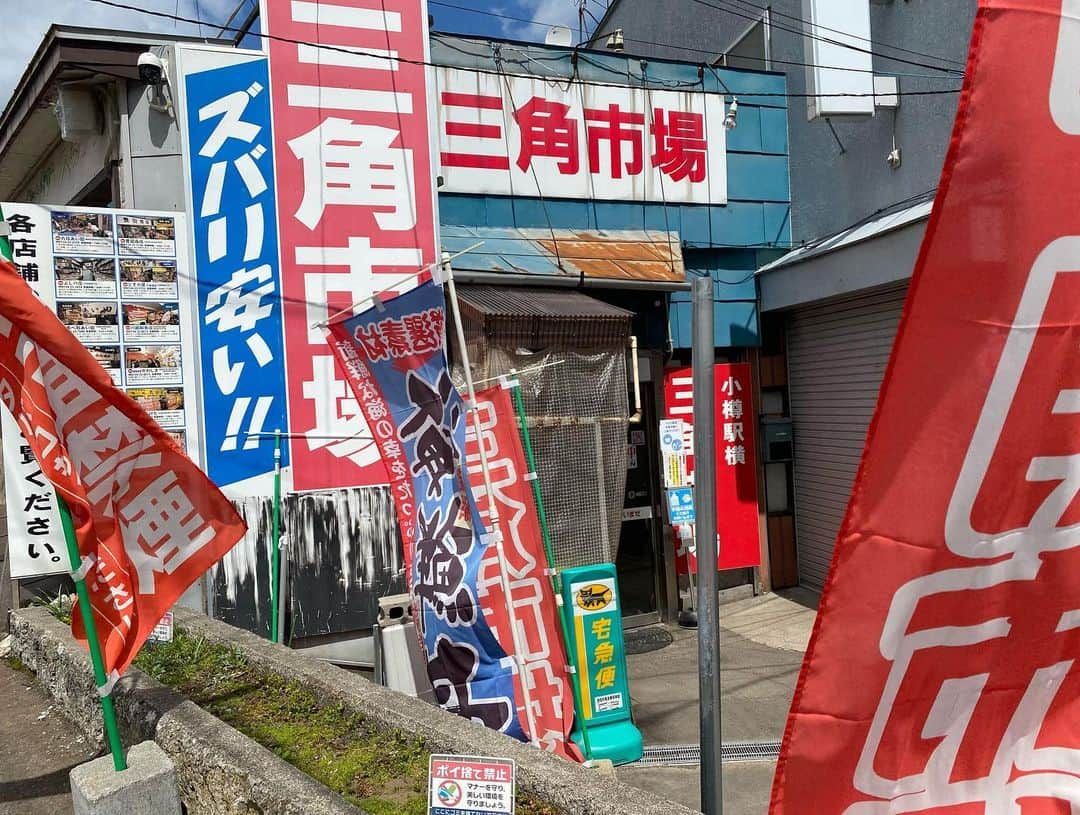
{"x":712,"y":801}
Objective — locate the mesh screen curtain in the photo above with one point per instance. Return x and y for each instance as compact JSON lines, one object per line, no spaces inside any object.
{"x":577,"y":407}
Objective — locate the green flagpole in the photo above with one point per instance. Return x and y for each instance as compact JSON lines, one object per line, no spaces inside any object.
{"x":275,"y":548}
{"x":556,"y":577}
{"x":112,"y":731}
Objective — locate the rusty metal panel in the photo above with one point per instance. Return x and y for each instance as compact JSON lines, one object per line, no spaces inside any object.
{"x":593,"y":254}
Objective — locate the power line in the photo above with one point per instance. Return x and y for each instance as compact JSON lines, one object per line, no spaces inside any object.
{"x":870,"y":41}
{"x":713,"y":53}
{"x":494,"y":72}
{"x":806,"y":35}
{"x":758,"y":17}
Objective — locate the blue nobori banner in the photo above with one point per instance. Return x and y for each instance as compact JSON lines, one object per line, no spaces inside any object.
{"x":393,"y":357}
{"x":234,"y":223}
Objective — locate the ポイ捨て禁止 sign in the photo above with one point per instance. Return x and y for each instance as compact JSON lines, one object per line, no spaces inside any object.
{"x":470,"y":785}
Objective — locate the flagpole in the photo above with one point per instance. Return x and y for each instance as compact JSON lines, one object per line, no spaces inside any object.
{"x":112,"y":732}
{"x":108,"y":712}
{"x":493,"y":506}
{"x":556,"y":575}
{"x":275,"y":548}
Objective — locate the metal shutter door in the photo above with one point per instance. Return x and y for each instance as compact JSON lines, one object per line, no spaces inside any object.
{"x":837,"y":355}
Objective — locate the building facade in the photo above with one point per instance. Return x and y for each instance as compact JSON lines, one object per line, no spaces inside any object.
{"x":627,"y":184}
{"x":873,"y":95}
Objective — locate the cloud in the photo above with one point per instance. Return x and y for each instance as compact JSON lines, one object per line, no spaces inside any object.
{"x":26,"y":21}
{"x":544,"y":12}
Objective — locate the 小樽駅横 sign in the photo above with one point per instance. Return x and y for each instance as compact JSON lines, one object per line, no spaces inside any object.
{"x":470,"y":785}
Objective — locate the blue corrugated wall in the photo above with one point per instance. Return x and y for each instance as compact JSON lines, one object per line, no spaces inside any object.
{"x":721,"y":241}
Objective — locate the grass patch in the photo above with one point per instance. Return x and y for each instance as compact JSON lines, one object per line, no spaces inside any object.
{"x":383,"y":773}
{"x":59,"y":607}
{"x":16,"y":664}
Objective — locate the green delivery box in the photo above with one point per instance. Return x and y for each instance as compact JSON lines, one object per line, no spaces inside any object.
{"x":591,"y":599}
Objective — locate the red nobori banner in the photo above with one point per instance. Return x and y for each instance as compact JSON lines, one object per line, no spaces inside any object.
{"x":736,"y":459}
{"x":356,"y":206}
{"x":144,"y":514}
{"x":943,"y":673}
{"x":526,"y":560}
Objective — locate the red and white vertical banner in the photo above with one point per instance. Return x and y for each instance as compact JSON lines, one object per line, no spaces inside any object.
{"x":147,"y":521}
{"x":944,"y":672}
{"x":736,"y":459}
{"x":356,"y":201}
{"x":526,"y":562}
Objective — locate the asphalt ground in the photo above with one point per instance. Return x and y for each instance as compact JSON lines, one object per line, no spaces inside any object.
{"x":762,"y":644}
{"x":38,"y":748}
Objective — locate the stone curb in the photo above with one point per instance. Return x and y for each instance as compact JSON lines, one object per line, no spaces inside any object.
{"x":219,"y":771}
{"x":64,"y":669}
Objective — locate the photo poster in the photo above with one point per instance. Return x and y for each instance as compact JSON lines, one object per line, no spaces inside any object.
{"x":120,"y":281}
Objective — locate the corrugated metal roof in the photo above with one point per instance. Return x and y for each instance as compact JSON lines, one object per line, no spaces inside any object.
{"x":594,"y":254}
{"x":887,"y":220}
{"x":539,"y":318}
{"x":499,"y":301}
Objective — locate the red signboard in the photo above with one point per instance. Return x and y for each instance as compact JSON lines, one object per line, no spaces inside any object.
{"x":943,"y":675}
{"x":147,"y":521}
{"x":356,"y":210}
{"x":736,"y":459}
{"x":526,"y":563}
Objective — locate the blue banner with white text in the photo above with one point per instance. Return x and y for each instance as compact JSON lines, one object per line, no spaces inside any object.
{"x":394,"y":359}
{"x":236,"y":260}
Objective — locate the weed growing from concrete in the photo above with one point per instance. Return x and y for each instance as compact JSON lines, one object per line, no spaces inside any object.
{"x":383,"y":773}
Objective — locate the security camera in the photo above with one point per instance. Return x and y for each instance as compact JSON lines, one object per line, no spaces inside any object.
{"x":151,"y":68}
{"x":894,"y":158}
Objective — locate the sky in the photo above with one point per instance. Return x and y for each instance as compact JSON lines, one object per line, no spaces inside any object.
{"x":26,"y":21}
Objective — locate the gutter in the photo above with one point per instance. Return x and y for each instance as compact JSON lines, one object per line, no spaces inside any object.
{"x":518,"y":279}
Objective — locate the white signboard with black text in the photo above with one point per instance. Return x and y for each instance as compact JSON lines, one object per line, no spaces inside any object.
{"x":119,"y":281}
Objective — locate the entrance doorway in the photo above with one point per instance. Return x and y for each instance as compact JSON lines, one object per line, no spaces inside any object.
{"x":641,"y":535}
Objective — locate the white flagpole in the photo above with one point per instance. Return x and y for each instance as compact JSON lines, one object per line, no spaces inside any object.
{"x":493,"y":507}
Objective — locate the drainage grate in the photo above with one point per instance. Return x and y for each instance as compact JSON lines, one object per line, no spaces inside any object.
{"x":684,"y":755}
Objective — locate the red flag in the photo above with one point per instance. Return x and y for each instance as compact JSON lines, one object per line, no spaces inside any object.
{"x":149,"y":519}
{"x":943,"y":674}
{"x":526,"y":560}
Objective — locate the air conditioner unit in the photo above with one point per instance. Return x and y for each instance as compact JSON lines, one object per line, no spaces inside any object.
{"x":77,"y":113}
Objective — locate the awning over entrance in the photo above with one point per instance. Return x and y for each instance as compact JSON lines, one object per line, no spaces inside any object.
{"x":567,"y":256}
{"x":875,"y":252}
{"x":542,"y":318}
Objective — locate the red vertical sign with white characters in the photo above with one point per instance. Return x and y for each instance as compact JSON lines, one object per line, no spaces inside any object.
{"x":943,"y":675}
{"x":736,"y":458}
{"x":356,"y":207}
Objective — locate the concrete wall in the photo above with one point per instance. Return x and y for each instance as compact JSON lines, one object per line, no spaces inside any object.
{"x":157,"y":169}
{"x":69,"y":168}
{"x":832,"y":188}
{"x":221,"y":772}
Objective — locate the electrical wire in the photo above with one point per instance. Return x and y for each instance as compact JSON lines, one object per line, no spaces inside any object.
{"x":743,"y":14}
{"x":869,"y":40}
{"x":796,"y":63}
{"x":495,"y":72}
{"x":737,"y":12}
